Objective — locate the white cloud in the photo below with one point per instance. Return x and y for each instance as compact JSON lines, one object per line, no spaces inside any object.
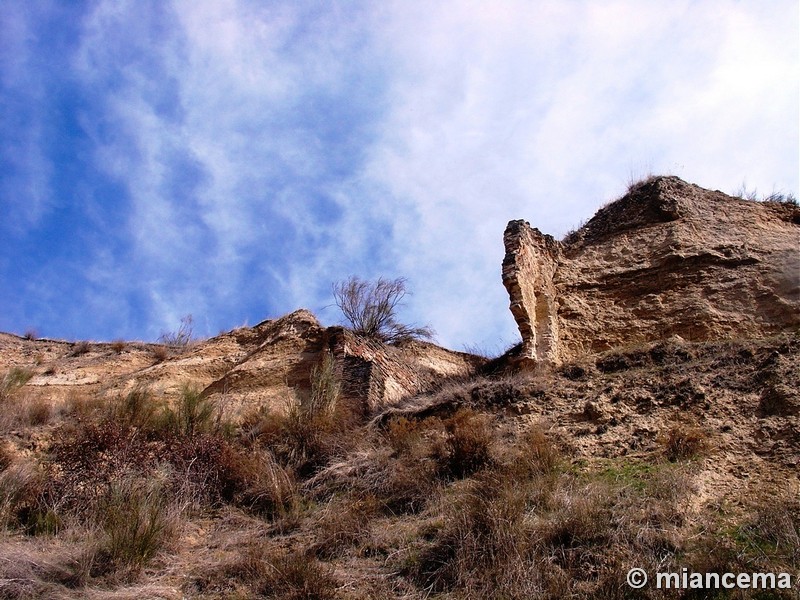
{"x":274,"y":147}
{"x":541,"y":110}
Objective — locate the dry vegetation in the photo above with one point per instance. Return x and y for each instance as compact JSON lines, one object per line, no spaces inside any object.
{"x":470,"y":492}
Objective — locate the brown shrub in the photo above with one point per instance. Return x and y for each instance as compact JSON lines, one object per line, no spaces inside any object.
{"x":468,"y":443}
{"x":118,"y":346}
{"x":684,"y":441}
{"x":80,"y":348}
{"x":403,"y":435}
{"x":343,"y":524}
{"x":86,"y":458}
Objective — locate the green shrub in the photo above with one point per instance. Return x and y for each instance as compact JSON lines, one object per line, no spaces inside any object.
{"x":193,"y":414}
{"x":14,"y":379}
{"x":137,"y":408}
{"x":310,"y":432}
{"x":136,"y":520}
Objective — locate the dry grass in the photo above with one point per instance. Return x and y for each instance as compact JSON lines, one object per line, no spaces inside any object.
{"x":22,"y":412}
{"x":160,"y":353}
{"x":461,"y":499}
{"x":261,"y":571}
{"x":20,"y":485}
{"x":40,"y":411}
{"x":468,"y":443}
{"x":685,"y":441}
{"x":342,"y":524}
{"x":136,"y":519}
{"x":479,"y":545}
{"x":182,"y":337}
{"x":83,"y":407}
{"x":80,"y":348}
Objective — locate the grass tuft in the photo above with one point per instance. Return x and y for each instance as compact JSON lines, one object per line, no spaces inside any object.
{"x":137,"y":520}
{"x":684,"y":441}
{"x":14,"y":379}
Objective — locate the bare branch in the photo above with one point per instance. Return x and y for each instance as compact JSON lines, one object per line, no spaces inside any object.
{"x":370,"y":307}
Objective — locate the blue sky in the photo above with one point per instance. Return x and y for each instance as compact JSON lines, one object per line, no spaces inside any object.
{"x":231,"y":159}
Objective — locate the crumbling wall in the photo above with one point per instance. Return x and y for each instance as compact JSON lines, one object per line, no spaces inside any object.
{"x":377,"y":375}
{"x":529,"y":268}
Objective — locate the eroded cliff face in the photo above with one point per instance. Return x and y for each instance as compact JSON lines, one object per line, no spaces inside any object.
{"x":668,"y":259}
{"x":529,"y":268}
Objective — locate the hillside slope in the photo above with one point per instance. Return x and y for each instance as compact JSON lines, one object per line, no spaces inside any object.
{"x":659,"y":428}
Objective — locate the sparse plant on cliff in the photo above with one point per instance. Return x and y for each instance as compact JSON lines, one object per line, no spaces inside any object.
{"x":13,"y":380}
{"x":370,"y":308}
{"x":182,"y":337}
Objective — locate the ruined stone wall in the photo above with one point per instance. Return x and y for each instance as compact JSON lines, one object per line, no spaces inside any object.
{"x":380,"y":375}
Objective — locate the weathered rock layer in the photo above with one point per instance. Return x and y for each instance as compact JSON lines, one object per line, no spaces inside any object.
{"x":668,"y":259}
{"x":268,"y":366}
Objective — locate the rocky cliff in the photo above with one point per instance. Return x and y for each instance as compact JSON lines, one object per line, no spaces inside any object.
{"x":268,"y":366}
{"x":668,"y":259}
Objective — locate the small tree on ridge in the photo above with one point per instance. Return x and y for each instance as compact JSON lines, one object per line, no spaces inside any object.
{"x":370,"y":307}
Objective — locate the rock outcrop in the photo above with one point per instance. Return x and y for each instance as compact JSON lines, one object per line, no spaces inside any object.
{"x":268,"y":365}
{"x":372,"y":375}
{"x":668,"y":259}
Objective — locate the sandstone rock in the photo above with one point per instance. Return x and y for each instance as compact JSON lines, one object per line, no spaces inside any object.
{"x":268,"y":365}
{"x":668,"y":259}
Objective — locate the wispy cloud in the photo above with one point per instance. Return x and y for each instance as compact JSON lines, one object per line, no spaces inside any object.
{"x":232,"y":158}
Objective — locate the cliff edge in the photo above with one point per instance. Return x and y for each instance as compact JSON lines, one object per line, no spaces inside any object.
{"x":668,"y":259}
